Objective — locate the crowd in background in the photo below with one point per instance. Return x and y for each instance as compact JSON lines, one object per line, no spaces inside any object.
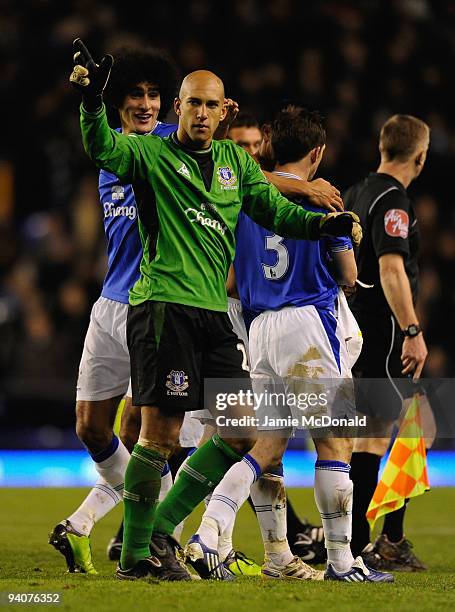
{"x":357,"y":62}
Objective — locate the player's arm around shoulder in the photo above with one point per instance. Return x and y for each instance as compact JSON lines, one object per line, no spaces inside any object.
{"x":266,"y":206}
{"x":318,"y":192}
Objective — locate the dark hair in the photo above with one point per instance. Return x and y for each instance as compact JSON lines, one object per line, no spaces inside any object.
{"x":245,"y":120}
{"x":400,"y":136}
{"x":133,"y":66}
{"x":295,"y":132}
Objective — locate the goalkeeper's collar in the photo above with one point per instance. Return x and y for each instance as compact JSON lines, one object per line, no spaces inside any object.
{"x":189,"y":150}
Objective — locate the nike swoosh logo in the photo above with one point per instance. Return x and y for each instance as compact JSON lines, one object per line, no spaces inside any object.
{"x":156,"y":562}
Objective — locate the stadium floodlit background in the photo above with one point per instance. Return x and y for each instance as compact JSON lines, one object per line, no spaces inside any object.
{"x":357,"y":62}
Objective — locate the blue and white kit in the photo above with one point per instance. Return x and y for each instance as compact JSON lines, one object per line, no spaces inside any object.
{"x":290,"y":302}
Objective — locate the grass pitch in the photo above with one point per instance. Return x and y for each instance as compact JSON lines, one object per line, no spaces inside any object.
{"x":28,"y":564}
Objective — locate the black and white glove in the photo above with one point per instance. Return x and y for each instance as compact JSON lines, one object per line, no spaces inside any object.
{"x":341,"y":224}
{"x":88,"y":77}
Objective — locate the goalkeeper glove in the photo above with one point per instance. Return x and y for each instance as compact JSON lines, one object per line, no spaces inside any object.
{"x":341,"y":224}
{"x":88,"y":77}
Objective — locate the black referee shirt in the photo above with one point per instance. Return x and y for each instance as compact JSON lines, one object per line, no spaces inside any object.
{"x":389,"y":226}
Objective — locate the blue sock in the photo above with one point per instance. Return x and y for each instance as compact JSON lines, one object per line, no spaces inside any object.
{"x":107,"y":452}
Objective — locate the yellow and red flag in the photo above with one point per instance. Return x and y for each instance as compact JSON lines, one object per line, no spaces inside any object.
{"x":405,"y":472}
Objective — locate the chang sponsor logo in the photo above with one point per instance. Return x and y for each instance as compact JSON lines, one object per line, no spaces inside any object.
{"x":209,"y":206}
{"x":197,"y":216}
{"x":111,"y":210}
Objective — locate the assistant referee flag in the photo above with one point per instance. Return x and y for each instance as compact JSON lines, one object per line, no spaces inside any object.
{"x":405,"y":473}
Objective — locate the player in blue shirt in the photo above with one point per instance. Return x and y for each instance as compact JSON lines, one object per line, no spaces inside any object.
{"x":305,"y":539}
{"x":298,"y":347}
{"x":141,"y":88}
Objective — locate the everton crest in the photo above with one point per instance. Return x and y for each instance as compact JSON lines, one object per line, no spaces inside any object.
{"x":177,"y":381}
{"x":227,"y":178}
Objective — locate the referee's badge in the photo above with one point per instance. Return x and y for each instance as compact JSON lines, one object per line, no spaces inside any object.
{"x":396,"y":223}
{"x":177,"y":381}
{"x":226,"y":178}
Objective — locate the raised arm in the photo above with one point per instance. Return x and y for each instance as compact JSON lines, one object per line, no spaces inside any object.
{"x":124,"y":156}
{"x":121,"y":155}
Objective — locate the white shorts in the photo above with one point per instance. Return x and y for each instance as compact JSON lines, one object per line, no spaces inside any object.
{"x":300,"y":354}
{"x":104,"y":370}
{"x":238,"y":325}
{"x":349,"y":328}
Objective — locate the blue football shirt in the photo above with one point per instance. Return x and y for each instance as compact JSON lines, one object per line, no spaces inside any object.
{"x":273,"y":272}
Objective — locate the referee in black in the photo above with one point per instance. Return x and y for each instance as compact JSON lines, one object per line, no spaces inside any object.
{"x":393,"y":346}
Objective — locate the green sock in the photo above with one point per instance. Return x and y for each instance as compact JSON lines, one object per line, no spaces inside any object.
{"x":199,"y":475}
{"x":140,"y":498}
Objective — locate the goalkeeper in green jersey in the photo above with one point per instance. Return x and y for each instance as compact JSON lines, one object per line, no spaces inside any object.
{"x":193,"y":189}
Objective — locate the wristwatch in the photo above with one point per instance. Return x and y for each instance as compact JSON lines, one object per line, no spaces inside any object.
{"x":412,"y":330}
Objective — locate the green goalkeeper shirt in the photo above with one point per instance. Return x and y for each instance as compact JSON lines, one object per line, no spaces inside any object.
{"x":187,"y":230}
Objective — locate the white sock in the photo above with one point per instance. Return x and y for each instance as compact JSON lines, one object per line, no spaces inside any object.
{"x":333,"y":494}
{"x":101,"y":499}
{"x":226,"y":499}
{"x":107,"y":492}
{"x":113,"y":468}
{"x":225,"y":542}
{"x":166,"y":482}
{"x":269,"y":499}
{"x":225,"y":538}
